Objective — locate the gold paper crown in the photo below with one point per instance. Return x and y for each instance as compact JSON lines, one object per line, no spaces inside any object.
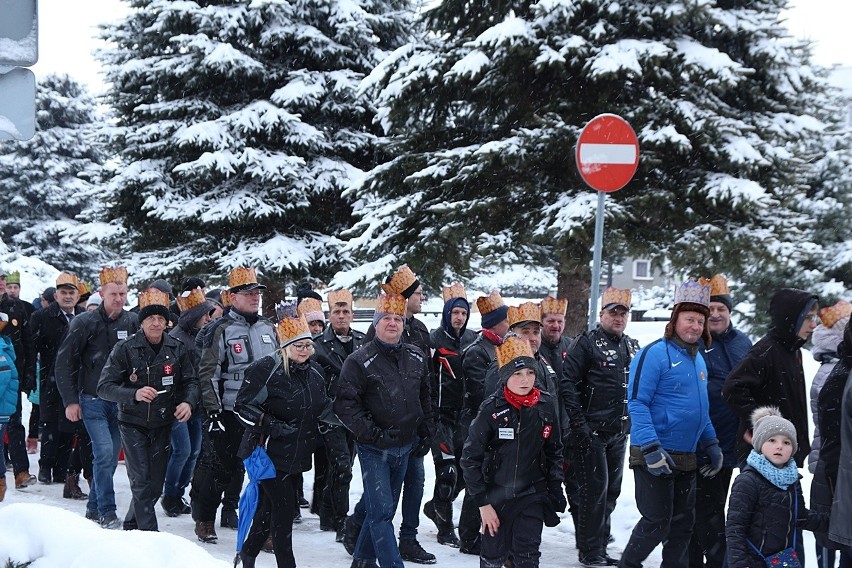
{"x":13,"y":277}
{"x":290,"y":329}
{"x":832,"y":314}
{"x":511,"y":349}
{"x":454,"y":291}
{"x":83,"y":287}
{"x":225,"y":298}
{"x":153,"y":297}
{"x":400,"y":281}
{"x":489,"y":303}
{"x":240,"y":276}
{"x":527,"y":311}
{"x":718,"y":285}
{"x":391,"y":304}
{"x":615,"y":296}
{"x":693,"y":292}
{"x":551,"y":305}
{"x":189,"y":300}
{"x":340,"y":297}
{"x":67,"y":279}
{"x":308,"y":305}
{"x":116,"y":275}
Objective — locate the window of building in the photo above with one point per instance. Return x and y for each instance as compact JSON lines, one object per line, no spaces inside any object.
{"x":642,"y":270}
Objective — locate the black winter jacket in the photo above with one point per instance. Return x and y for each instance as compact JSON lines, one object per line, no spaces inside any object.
{"x":509,"y":452}
{"x":134,"y":364}
{"x":90,"y":339}
{"x":771,"y":374}
{"x":476,"y":359}
{"x":330,"y":353}
{"x":763,"y":513}
{"x":448,"y":384}
{"x":596,"y":371}
{"x":48,"y":327}
{"x":382,"y":388}
{"x":556,"y":354}
{"x":18,"y":330}
{"x":298,"y":400}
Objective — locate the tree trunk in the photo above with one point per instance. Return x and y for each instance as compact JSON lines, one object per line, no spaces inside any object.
{"x":573,"y":281}
{"x":275,"y":292}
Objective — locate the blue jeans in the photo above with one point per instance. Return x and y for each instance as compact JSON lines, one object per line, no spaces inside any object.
{"x":101,"y":420}
{"x":382,"y":473}
{"x":412,"y":497}
{"x":186,"y":445}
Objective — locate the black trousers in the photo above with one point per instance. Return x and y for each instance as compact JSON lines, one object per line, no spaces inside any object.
{"x":598,"y":473}
{"x":667,"y":506}
{"x":146,"y":456}
{"x":274,"y":515}
{"x":340,"y":455}
{"x":707,"y":546}
{"x":519,"y":535}
{"x":56,"y":446}
{"x":17,"y":441}
{"x":218,"y":469}
{"x":81,"y":453}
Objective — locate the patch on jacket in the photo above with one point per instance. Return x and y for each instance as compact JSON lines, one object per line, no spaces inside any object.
{"x":545,"y":432}
{"x":703,"y":376}
{"x":498,"y":414}
{"x":238,"y":347}
{"x":168,"y":369}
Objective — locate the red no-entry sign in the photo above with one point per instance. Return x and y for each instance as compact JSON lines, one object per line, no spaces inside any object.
{"x":607,"y":153}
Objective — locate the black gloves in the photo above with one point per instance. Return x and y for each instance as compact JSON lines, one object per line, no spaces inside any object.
{"x":422,"y":448}
{"x":581,"y":439}
{"x":214,"y":423}
{"x":557,"y":497}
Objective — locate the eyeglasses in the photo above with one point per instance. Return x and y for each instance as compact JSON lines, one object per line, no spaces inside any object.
{"x":249,"y":293}
{"x":813,"y":317}
{"x":302,"y":346}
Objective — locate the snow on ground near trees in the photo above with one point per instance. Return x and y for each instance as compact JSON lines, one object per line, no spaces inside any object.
{"x":38,"y":524}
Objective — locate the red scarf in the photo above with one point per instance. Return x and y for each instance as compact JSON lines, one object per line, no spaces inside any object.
{"x":492,"y":337}
{"x":518,"y":401}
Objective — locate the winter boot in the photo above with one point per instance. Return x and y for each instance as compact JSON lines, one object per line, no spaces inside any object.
{"x":173,"y":506}
{"x":244,"y":559}
{"x":24,"y":479}
{"x":32,"y":445}
{"x":411,"y":551}
{"x":268,"y":546}
{"x":363,"y":564}
{"x":206,"y":531}
{"x":3,"y":487}
{"x":351,"y":530}
{"x":72,"y":488}
{"x":44,"y":476}
{"x":229,"y":519}
{"x":442,"y":515}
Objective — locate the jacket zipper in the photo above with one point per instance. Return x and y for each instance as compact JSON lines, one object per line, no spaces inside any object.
{"x":517,"y":454}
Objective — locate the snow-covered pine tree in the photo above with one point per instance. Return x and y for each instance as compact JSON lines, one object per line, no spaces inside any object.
{"x":238,"y":129}
{"x":482,"y":118}
{"x":50,"y":180}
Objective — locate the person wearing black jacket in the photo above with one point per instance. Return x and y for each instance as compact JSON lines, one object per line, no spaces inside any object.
{"x":596,"y":371}
{"x":771,"y":374}
{"x":18,"y":331}
{"x":49,"y":326}
{"x":406,"y":284}
{"x":383,"y":399}
{"x":448,"y":342}
{"x":512,"y":462}
{"x":81,"y":358}
{"x":151,"y":378}
{"x":337,"y":342}
{"x":282,"y":399}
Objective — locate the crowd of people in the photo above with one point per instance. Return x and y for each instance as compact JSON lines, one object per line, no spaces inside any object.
{"x":520,"y":419}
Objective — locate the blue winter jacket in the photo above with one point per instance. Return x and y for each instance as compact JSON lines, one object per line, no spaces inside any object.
{"x":8,"y":380}
{"x":727,"y":350}
{"x":667,"y":398}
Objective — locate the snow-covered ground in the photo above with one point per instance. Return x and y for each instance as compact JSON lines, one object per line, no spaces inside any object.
{"x":38,"y":524}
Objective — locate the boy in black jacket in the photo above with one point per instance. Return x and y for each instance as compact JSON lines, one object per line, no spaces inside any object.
{"x":512,"y":462}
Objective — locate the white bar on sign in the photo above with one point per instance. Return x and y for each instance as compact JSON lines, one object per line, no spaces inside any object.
{"x":607,"y":153}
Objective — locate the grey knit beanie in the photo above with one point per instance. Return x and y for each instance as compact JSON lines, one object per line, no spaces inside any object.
{"x":767,"y":422}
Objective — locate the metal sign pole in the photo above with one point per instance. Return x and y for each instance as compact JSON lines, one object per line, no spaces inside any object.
{"x":596,"y":261}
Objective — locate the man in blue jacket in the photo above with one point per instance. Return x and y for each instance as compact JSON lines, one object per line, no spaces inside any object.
{"x":670,"y":418}
{"x":707,"y":547}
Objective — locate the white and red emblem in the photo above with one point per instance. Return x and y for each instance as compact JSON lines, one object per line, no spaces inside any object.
{"x":168,"y":370}
{"x":238,"y":347}
{"x":545,"y":432}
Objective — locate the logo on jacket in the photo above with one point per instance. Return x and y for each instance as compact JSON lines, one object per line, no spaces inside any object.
{"x":703,"y":377}
{"x":238,"y":347}
{"x":498,"y":414}
{"x":168,"y":369}
{"x":545,"y":432}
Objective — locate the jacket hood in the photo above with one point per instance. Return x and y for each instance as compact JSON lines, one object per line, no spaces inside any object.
{"x":826,"y":340}
{"x":787,"y":309}
{"x":446,"y":317}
